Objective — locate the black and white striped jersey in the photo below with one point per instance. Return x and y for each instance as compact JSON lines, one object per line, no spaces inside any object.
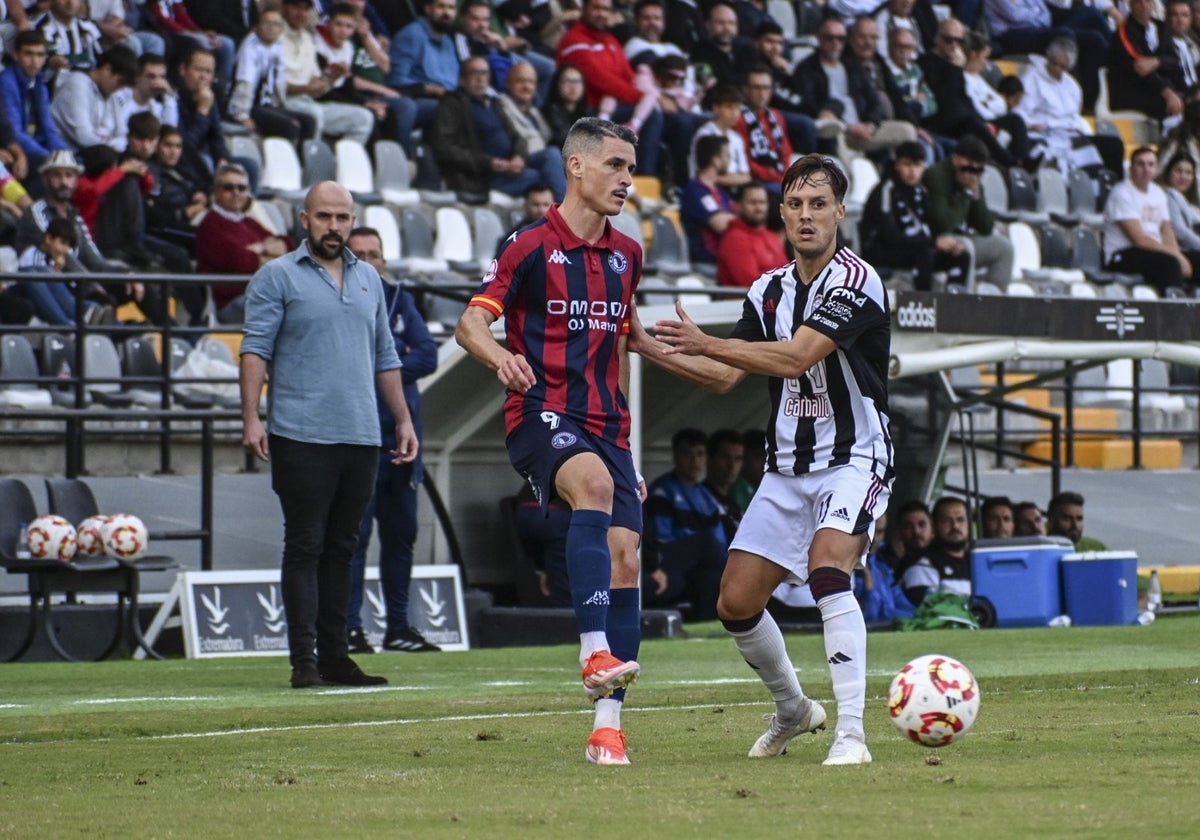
{"x":837,"y":410}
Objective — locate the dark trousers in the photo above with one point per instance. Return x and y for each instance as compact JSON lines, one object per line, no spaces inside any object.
{"x":394,"y":507}
{"x":280,"y":122}
{"x":1162,"y":271}
{"x":323,"y":490}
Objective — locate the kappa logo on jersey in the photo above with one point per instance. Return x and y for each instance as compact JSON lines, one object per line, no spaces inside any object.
{"x":491,"y":272}
{"x":557,"y":257}
{"x":843,"y":293}
{"x":598,"y":598}
{"x":618,"y":262}
{"x":562,"y":440}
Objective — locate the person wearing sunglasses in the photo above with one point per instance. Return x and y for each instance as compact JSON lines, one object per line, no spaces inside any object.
{"x":958,"y":214}
{"x":230,"y":242}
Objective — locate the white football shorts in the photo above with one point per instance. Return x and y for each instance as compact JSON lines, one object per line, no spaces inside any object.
{"x":787,"y":511}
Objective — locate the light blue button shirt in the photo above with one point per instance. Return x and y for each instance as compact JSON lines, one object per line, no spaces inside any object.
{"x":323,"y":347}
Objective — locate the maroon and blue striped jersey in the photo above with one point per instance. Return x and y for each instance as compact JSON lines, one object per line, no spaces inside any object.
{"x":566,"y":306}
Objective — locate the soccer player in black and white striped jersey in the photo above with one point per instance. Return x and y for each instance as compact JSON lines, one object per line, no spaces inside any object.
{"x":819,"y":329}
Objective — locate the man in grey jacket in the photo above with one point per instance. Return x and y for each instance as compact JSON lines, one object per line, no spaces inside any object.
{"x":84,"y":107}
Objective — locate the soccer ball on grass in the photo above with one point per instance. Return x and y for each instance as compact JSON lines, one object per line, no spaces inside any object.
{"x":124,"y":536}
{"x":51,"y":538}
{"x":934,"y":700}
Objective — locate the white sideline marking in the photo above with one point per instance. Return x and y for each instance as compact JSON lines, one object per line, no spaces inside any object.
{"x":101,"y":701}
{"x":14,"y":705}
{"x":504,"y":683}
{"x":374,"y":689}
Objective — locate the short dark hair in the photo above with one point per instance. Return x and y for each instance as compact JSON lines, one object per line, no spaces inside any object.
{"x":29,"y":38}
{"x":688,"y":437}
{"x":816,"y":169}
{"x":1141,"y":150}
{"x":751,"y":185}
{"x":191,"y":49}
{"x":146,"y":59}
{"x":1066,"y":497}
{"x":708,"y":149}
{"x":365,"y":231}
{"x":121,"y":61}
{"x":973,"y":149}
{"x":767,"y":27}
{"x":338,"y":9}
{"x":722,"y":436}
{"x":993,"y":502}
{"x":97,"y":159}
{"x":64,"y":229}
{"x":144,"y":125}
{"x":641,"y":4}
{"x":1021,"y":507}
{"x":948,"y":501}
{"x":166,"y":131}
{"x":912,"y":506}
{"x":537,"y":187}
{"x":910,"y":150}
{"x":758,"y":69}
{"x":1010,"y":86}
{"x":589,"y":132}
{"x":723,"y":95}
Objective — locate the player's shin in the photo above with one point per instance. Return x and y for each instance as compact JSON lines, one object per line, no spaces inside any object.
{"x":589,"y":566}
{"x":760,"y":642}
{"x":845,"y":643}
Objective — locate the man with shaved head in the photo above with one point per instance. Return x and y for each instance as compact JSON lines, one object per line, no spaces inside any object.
{"x":317,"y":322}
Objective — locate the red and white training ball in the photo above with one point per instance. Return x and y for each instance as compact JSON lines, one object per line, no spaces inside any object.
{"x":124,"y":536}
{"x":51,"y":538}
{"x":934,"y":700}
{"x":88,"y":536}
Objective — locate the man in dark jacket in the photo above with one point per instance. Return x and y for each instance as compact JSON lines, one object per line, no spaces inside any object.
{"x":723,"y":51}
{"x":474,"y":144}
{"x":1141,"y":78}
{"x":895,"y":227}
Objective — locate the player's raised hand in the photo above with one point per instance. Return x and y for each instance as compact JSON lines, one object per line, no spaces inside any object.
{"x":516,"y":374}
{"x":682,"y":336}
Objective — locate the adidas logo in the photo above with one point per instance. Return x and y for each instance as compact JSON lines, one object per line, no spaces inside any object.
{"x":557,"y":257}
{"x":842,"y":514}
{"x":839,"y":658}
{"x":599,"y":598}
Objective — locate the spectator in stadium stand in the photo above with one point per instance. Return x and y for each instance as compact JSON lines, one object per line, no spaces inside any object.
{"x":705,"y":208}
{"x":996,"y":517}
{"x":327,"y":94}
{"x":53,"y":301}
{"x":26,"y":99}
{"x":725,"y":103}
{"x":754,"y":457}
{"x":323,"y":440}
{"x":60,"y":174}
{"x":599,"y":56}
{"x":259,"y":97}
{"x":120,"y":22}
{"x":1179,"y":21}
{"x":1179,"y":182}
{"x":748,"y":248}
{"x":230,"y":242}
{"x":957,"y":207}
{"x":477,"y":38}
{"x":73,"y":41}
{"x":1028,"y":520}
{"x":13,"y":19}
{"x":180,"y":195}
{"x":768,"y":40}
{"x":84,"y":107}
{"x":424,"y":58}
{"x":477,"y":148}
{"x":686,"y":536}
{"x":1138,"y":237}
{"x":724,"y":464}
{"x":1143,"y":67}
{"x":1053,"y":111}
{"x":896,"y":16}
{"x":884,"y":121}
{"x":544,"y":540}
{"x":394,"y":503}
{"x":1025,"y":27}
{"x":685,"y":24}
{"x":235,"y":18}
{"x":909,"y":77}
{"x":363,"y":8}
{"x":151,"y":93}
{"x":567,"y":102}
{"x":171,"y":18}
{"x":723,"y":52}
{"x":895,"y":230}
{"x":538,"y":200}
{"x":950,"y":552}
{"x":649,"y":22}
{"x":1064,"y":518}
{"x":821,"y":76}
{"x":908,"y":556}
{"x":521,"y":113}
{"x":764,"y":131}
{"x":992,"y":106}
{"x":955,"y":115}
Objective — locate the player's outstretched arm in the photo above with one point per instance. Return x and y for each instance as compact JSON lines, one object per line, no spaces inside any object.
{"x":474,"y":334}
{"x":771,"y":358}
{"x":705,"y":372}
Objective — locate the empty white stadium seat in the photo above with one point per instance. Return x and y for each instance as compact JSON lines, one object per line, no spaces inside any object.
{"x":379,"y":217}
{"x":354,"y":171}
{"x":281,"y":173}
{"x":454,"y":242}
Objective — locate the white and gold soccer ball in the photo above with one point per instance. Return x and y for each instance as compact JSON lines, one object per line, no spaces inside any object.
{"x":88,"y":536}
{"x":124,"y":536}
{"x":934,"y":700}
{"x":51,"y":538}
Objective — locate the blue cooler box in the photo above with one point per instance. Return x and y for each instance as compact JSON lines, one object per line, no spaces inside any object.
{"x":1020,"y":578}
{"x":1100,"y":587}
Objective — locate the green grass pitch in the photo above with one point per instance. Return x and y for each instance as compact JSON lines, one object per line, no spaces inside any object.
{"x":1083,"y":732}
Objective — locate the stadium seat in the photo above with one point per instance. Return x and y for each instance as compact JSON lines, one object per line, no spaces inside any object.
{"x":1087,"y":258}
{"x":668,"y":249}
{"x":18,"y":361}
{"x":1083,"y":203}
{"x":102,"y":362}
{"x":222,"y":346}
{"x":647,"y":194}
{"x":1023,"y":197}
{"x":319,"y":163}
{"x":629,"y":223}
{"x":245,"y":146}
{"x":382,"y":220}
{"x":863,"y":178}
{"x":696,"y":285}
{"x":429,"y":180}
{"x":1141,"y":291}
{"x":995,"y":192}
{"x":393,"y":174}
{"x":1083,"y":290}
{"x":418,"y":243}
{"x":142,"y":362}
{"x":354,"y":171}
{"x":1056,"y":250}
{"x":1019,"y":288}
{"x":282,"y":176}
{"x":982,"y":287}
{"x":488,"y":230}
{"x":1053,"y":196}
{"x":1114,"y":291}
{"x":8,"y":259}
{"x":783,"y":13}
{"x":809,"y":14}
{"x":1027,"y":253}
{"x":455,"y":243}
{"x":1144,"y":130}
{"x":275,"y":214}
{"x":444,"y":308}
{"x":73,"y":499}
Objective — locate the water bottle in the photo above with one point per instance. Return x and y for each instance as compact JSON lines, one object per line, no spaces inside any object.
{"x":23,"y":552}
{"x":1154,"y":593}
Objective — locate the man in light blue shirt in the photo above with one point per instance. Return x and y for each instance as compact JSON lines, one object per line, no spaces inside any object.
{"x":317,"y":322}
{"x":424,"y":58}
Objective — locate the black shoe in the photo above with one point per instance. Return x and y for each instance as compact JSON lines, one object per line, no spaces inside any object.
{"x":359,"y":643}
{"x":306,"y":675}
{"x":345,"y":672}
{"x":408,"y":641}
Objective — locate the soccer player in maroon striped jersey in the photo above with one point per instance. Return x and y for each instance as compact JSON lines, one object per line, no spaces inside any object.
{"x":565,"y":286}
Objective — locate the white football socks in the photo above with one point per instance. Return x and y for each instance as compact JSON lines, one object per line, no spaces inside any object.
{"x":846,"y":650}
{"x":763,"y":649}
